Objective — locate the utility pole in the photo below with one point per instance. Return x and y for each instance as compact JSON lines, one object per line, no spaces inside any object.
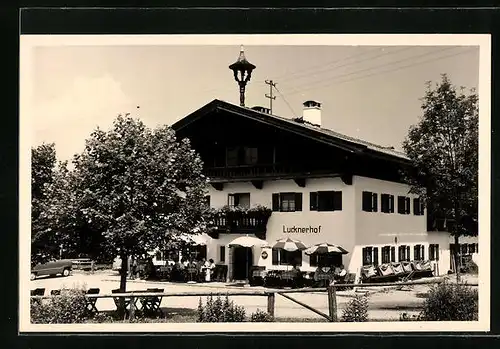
{"x":270,"y":95}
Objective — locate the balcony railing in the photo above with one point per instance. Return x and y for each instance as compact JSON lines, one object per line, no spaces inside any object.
{"x":257,"y":171}
{"x":250,"y":222}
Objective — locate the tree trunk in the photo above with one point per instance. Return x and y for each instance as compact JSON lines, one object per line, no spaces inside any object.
{"x":123,"y":283}
{"x":456,"y":257}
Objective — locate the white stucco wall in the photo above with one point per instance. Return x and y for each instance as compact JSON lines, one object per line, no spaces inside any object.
{"x":334,"y":227}
{"x":351,"y":228}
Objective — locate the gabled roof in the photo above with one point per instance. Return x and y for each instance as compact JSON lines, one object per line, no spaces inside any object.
{"x":323,"y":135}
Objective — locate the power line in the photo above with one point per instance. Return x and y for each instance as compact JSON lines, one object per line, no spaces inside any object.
{"x":270,"y":95}
{"x":405,"y":66}
{"x":326,"y":69}
{"x":284,"y":76}
{"x":284,"y":99}
{"x":332,"y":79}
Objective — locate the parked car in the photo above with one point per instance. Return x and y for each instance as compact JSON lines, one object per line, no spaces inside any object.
{"x":63,"y":267}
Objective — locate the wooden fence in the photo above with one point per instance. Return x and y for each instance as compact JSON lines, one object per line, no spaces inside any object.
{"x":270,"y":294}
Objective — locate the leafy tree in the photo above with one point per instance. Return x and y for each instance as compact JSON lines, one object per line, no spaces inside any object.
{"x":443,"y":147}
{"x":127,"y":183}
{"x":43,"y":171}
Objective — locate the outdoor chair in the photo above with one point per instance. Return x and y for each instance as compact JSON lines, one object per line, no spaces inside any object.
{"x":127,"y":301}
{"x":37,"y":292}
{"x":91,"y":301}
{"x":151,"y":304}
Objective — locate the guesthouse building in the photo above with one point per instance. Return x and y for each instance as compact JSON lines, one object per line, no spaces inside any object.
{"x":273,"y":177}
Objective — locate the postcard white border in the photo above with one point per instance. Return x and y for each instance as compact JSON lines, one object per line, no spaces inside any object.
{"x":29,"y":42}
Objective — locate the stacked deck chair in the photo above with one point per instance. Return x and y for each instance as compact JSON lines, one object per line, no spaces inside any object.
{"x":368,"y":272}
{"x":408,"y":271}
{"x":422,"y":269}
{"x":398,"y":268}
{"x":386,"y":272}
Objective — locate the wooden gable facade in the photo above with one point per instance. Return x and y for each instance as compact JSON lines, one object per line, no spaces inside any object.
{"x":241,"y":144}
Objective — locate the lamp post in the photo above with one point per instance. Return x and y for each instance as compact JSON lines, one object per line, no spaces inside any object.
{"x":242,"y":70}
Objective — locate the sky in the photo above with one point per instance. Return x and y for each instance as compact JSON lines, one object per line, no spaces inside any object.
{"x":368,"y":92}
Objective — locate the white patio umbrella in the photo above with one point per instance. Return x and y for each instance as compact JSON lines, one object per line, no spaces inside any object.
{"x":248,"y":241}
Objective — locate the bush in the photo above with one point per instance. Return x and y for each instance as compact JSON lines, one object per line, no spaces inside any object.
{"x":261,"y":316}
{"x":356,"y":310}
{"x":69,"y":307}
{"x":220,"y":311}
{"x":450,"y":302}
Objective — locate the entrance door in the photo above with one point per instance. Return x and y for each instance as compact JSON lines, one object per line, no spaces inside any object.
{"x":241,"y":256}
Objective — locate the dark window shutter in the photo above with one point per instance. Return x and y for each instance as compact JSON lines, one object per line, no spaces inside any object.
{"x":298,"y":201}
{"x":401,"y":204}
{"x":407,"y":205}
{"x":337,"y":201}
{"x":391,"y":204}
{"x":313,"y":201}
{"x":367,"y":201}
{"x":375,"y":256}
{"x":276,"y":202}
{"x":375,"y":202}
{"x":436,"y":251}
{"x":431,"y":254}
{"x":407,"y":253}
{"x":275,"y":256}
{"x":422,"y":253}
{"x":393,"y":254}
{"x":416,"y":250}
{"x":384,"y":203}
{"x":416,"y":207}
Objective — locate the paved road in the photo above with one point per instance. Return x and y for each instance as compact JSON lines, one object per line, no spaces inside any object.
{"x":382,"y":306}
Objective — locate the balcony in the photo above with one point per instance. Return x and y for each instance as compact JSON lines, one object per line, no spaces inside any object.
{"x":259,"y":172}
{"x":237,"y":220}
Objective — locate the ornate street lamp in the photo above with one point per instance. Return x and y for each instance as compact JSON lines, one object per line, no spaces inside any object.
{"x":242,"y":70}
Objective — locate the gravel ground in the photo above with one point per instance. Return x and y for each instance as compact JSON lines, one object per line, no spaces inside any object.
{"x":384,"y":305}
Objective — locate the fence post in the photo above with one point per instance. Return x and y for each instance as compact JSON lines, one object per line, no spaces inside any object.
{"x":132,"y":308}
{"x":270,"y":303}
{"x":332,"y":303}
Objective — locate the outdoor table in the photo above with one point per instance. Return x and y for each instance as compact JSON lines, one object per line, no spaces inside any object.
{"x":91,"y":301}
{"x":127,"y":300}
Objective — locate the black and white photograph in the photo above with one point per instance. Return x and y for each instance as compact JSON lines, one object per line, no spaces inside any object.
{"x":254,"y":183}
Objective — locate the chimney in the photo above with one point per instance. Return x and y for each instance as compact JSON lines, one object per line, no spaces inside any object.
{"x":262,"y":109}
{"x":312,"y":112}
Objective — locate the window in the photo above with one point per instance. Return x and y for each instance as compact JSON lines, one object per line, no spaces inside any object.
{"x":222,"y":253}
{"x":387,"y":203}
{"x":287,"y":202}
{"x":283,"y":257}
{"x":434,"y":252}
{"x":418,"y":252}
{"x":325,"y":260}
{"x":207,"y":200}
{"x":236,"y":156}
{"x":388,"y":254}
{"x":232,"y":155}
{"x":403,"y":205}
{"x":158,"y":256}
{"x":418,"y":207}
{"x":369,"y":201}
{"x":367,"y":255}
{"x":325,"y":201}
{"x":404,"y":253}
{"x":472,"y":248}
{"x":250,"y":156}
{"x":370,"y":255}
{"x":240,"y":199}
